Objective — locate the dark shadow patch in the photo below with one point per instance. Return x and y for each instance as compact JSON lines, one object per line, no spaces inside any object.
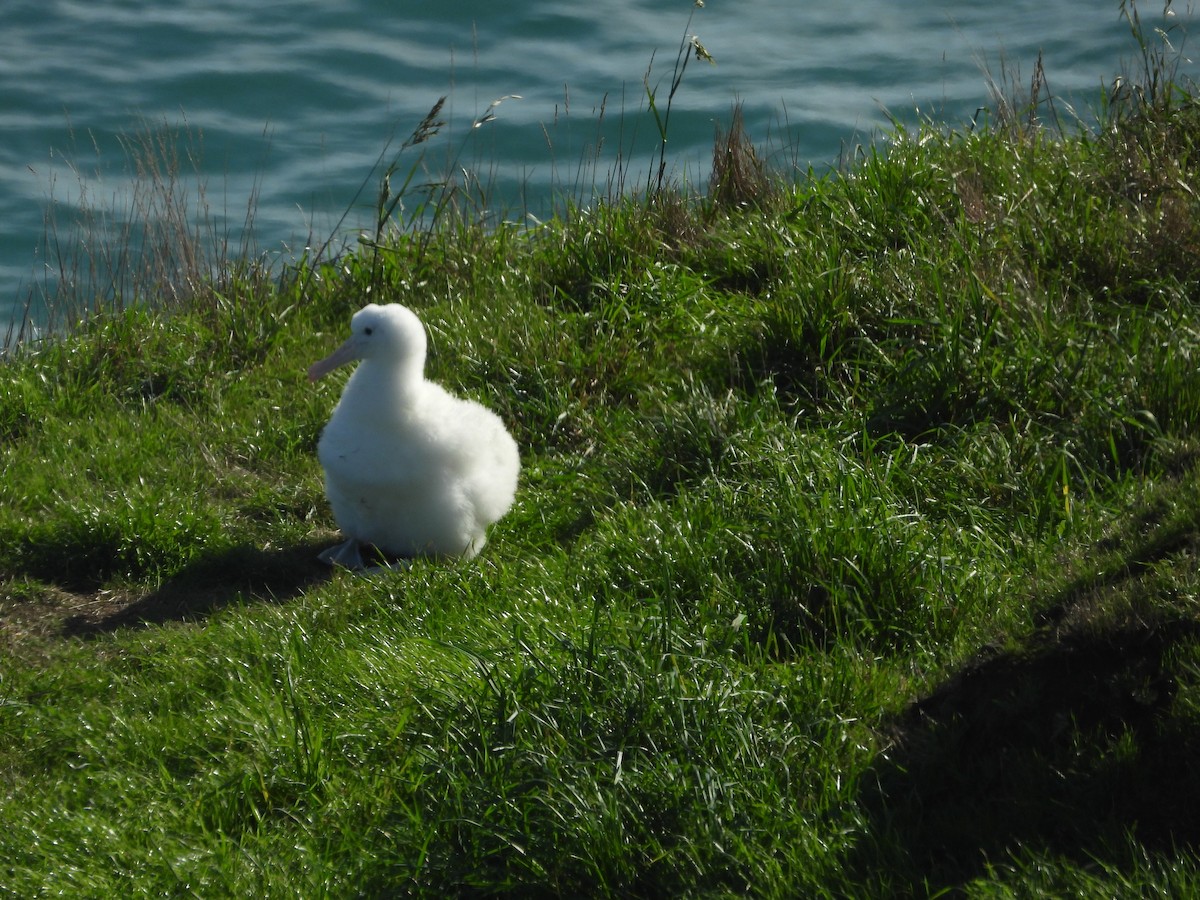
{"x":1066,"y":748}
{"x":237,"y":575}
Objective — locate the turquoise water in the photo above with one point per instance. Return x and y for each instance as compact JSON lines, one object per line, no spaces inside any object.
{"x":291,"y":103}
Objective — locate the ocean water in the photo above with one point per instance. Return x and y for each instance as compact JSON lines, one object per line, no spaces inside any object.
{"x":286,"y":106}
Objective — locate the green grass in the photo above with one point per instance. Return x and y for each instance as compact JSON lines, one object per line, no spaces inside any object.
{"x":855,"y":553}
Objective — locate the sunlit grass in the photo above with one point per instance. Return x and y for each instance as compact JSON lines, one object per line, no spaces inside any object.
{"x":854,"y":552}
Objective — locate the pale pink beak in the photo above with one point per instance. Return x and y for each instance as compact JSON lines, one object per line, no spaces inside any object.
{"x":348,"y":352}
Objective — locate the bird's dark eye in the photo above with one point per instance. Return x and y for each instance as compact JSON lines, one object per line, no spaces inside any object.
{"x":367,"y":331}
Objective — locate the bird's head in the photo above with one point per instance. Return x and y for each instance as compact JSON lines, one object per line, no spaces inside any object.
{"x":391,"y":334}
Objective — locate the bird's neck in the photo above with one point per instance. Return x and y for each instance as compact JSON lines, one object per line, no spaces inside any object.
{"x":382,"y":387}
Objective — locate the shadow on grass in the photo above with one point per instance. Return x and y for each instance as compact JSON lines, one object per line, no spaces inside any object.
{"x":1065,"y":748}
{"x":237,"y":575}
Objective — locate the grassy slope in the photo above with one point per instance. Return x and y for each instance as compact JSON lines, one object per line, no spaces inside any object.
{"x":855,"y":551}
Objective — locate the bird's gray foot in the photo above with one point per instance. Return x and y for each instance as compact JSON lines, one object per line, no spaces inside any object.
{"x":349,"y":556}
{"x":346,"y":556}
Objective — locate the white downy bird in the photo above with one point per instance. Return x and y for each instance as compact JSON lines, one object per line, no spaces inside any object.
{"x":410,"y":469}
